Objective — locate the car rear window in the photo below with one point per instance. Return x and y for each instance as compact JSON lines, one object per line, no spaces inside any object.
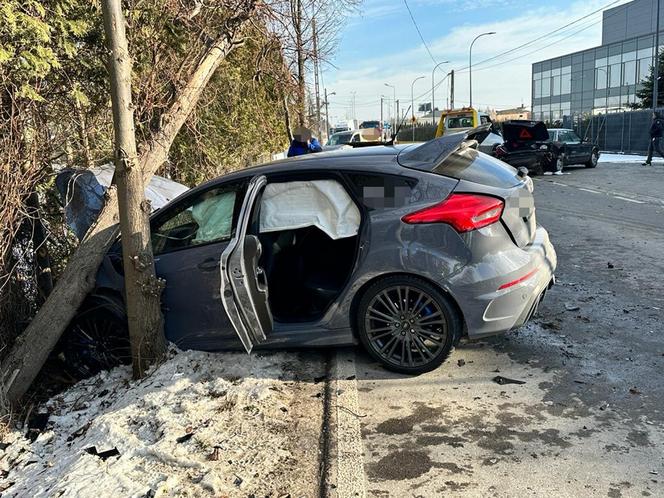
{"x":377,"y":191}
{"x":460,"y":121}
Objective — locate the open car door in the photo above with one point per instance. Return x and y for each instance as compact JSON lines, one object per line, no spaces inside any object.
{"x":244,"y":289}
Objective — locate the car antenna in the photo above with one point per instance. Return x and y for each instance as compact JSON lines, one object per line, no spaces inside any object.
{"x":394,"y":135}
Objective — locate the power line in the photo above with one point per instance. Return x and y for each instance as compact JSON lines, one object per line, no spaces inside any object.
{"x":419,"y":32}
{"x":601,"y":9}
{"x":463,"y":69}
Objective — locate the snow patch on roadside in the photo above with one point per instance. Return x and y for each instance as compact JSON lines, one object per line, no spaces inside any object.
{"x":200,"y":425}
{"x":606,"y":157}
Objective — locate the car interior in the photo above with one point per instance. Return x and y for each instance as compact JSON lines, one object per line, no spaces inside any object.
{"x":309,"y":234}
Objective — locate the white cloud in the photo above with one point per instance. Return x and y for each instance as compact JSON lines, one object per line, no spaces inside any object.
{"x":497,"y":83}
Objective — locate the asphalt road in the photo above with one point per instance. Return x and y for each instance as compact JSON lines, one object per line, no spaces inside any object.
{"x":589,"y":420}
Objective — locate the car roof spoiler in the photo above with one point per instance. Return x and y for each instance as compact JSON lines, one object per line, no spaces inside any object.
{"x":431,"y":154}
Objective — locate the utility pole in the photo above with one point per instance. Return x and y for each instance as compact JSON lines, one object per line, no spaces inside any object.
{"x":316,"y":84}
{"x":398,"y":120}
{"x":655,"y":73}
{"x":381,"y":117}
{"x":327,"y":113}
{"x":452,"y":89}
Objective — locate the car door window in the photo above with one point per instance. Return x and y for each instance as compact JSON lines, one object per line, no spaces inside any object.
{"x":572,"y":137}
{"x":205,"y":218}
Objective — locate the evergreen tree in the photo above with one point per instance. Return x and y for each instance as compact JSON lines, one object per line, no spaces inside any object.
{"x":644,"y":94}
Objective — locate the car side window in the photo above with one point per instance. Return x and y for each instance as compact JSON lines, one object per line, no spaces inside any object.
{"x":208,"y":217}
{"x":484,"y":119}
{"x":382,"y":191}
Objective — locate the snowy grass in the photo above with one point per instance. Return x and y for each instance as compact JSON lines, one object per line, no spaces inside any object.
{"x":200,"y":425}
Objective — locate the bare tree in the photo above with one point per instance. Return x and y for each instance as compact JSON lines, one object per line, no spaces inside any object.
{"x":23,"y":362}
{"x":293,"y":22}
{"x":142,"y":289}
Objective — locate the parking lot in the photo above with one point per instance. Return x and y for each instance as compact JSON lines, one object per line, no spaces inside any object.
{"x":588,"y":418}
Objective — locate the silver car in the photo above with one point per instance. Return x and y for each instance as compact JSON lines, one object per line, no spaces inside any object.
{"x":404,"y":249}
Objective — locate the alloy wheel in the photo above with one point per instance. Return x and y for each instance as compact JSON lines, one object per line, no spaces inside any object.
{"x":405,"y":326}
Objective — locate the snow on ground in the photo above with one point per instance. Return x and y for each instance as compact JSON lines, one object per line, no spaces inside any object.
{"x":608,"y":157}
{"x":200,"y":425}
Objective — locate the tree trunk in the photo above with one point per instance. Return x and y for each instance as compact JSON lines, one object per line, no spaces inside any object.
{"x":26,"y":358}
{"x":42,"y":258}
{"x":83,"y":134}
{"x":142,"y":289}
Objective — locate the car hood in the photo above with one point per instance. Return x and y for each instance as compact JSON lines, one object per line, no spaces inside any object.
{"x":525,"y":131}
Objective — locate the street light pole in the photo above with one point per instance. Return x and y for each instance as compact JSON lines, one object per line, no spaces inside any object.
{"x":412,"y":105}
{"x":655,"y":73}
{"x":470,"y":62}
{"x":433,"y":89}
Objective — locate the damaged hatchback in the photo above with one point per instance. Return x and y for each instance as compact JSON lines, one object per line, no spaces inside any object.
{"x":403,"y":249}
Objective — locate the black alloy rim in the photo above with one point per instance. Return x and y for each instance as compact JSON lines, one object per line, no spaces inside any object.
{"x":406,"y":326}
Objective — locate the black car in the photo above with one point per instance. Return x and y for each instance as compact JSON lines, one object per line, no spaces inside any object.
{"x":524,"y":144}
{"x":569,"y":149}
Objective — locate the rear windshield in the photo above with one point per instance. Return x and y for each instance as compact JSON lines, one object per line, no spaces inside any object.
{"x":340,"y":138}
{"x":473,"y":166}
{"x":462,"y":121}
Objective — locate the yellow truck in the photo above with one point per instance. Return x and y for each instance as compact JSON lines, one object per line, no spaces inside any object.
{"x":457,"y":120}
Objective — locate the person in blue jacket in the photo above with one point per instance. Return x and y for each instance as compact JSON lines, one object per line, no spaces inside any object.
{"x":303,"y":143}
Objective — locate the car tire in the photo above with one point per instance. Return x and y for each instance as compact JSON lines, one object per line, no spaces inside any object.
{"x":594,"y":158}
{"x":97,"y":339}
{"x":393,"y":330}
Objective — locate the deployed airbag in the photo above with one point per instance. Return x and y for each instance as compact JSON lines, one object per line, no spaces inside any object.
{"x":321,"y":203}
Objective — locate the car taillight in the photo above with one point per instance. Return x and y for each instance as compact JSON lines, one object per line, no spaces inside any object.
{"x":465,"y":212}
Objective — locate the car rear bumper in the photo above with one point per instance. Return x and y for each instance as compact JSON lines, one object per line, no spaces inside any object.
{"x":510,"y":296}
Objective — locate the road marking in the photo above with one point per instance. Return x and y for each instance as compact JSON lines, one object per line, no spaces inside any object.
{"x":590,"y":190}
{"x":561,"y":184}
{"x":351,"y":480}
{"x":628,"y":200}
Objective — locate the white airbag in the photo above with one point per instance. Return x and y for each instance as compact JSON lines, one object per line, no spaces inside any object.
{"x":321,"y":203}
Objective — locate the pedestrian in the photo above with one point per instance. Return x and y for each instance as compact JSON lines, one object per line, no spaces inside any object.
{"x":656,"y":132}
{"x":303,"y":143}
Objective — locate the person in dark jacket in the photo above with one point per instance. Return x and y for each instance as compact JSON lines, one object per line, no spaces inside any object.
{"x":656,"y":132}
{"x":303,"y":143}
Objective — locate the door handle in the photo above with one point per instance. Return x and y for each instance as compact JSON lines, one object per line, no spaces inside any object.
{"x":209,"y":264}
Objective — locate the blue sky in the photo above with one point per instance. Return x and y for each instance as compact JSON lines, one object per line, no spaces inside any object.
{"x":379,"y":44}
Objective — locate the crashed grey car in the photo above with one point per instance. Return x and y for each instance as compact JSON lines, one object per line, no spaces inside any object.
{"x":403,"y":249}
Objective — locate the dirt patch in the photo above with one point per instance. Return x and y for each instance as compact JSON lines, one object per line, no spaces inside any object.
{"x":400,"y":465}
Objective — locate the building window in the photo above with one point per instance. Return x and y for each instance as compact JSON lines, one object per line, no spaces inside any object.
{"x":614,"y":75}
{"x":546,"y":87}
{"x":600,"y":103}
{"x":644,"y":69}
{"x":601,"y":76}
{"x":629,"y":73}
{"x":555,"y":85}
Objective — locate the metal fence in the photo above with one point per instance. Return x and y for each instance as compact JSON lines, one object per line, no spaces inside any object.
{"x":625,"y":132}
{"x":614,"y":132}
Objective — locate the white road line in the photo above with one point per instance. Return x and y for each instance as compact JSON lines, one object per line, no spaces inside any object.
{"x":560,"y":184}
{"x":628,"y":200}
{"x":590,"y":190}
{"x":351,"y":480}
